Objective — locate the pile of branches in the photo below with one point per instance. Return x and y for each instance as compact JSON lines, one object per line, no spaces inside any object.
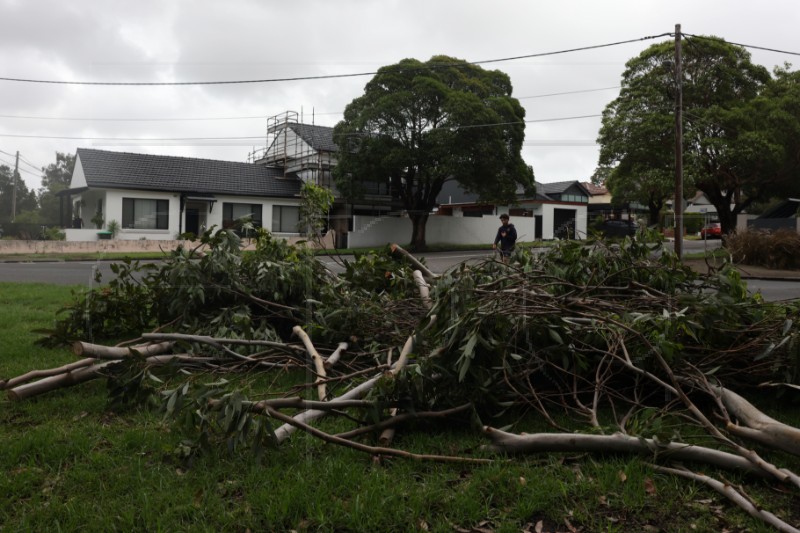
{"x":646,"y":355}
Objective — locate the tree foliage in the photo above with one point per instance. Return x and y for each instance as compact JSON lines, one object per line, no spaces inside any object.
{"x":421,"y":124}
{"x":56,"y":177}
{"x":620,"y":342}
{"x":735,"y":127}
{"x":25,"y":200}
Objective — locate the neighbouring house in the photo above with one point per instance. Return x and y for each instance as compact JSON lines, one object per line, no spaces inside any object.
{"x":307,"y":152}
{"x":159,"y":197}
{"x":601,"y":205}
{"x":782,"y":215}
{"x":559,"y":210}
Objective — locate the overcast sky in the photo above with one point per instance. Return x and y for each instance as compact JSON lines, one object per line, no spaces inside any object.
{"x":205,"y":40}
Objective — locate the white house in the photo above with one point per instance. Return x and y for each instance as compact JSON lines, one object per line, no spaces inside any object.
{"x":158,"y":197}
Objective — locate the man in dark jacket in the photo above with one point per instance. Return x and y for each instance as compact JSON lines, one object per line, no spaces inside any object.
{"x":506,"y":237}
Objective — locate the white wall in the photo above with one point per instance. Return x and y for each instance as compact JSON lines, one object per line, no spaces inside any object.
{"x":377,"y":231}
{"x":114,"y":212}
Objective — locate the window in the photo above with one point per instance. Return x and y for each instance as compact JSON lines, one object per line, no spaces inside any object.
{"x":140,"y":213}
{"x":285,"y":218}
{"x":232,"y":212}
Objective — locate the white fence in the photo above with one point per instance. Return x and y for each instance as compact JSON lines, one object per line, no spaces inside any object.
{"x":377,"y":231}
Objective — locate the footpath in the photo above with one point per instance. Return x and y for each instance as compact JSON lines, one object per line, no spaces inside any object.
{"x":746,"y":271}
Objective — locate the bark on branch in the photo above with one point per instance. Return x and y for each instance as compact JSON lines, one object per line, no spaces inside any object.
{"x":503,"y":442}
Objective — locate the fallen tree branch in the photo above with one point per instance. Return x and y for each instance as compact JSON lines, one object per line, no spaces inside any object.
{"x":729,"y":492}
{"x":760,"y":427}
{"x":374,"y":450}
{"x":429,"y":276}
{"x":36,"y":374}
{"x":319,"y":364}
{"x":503,"y":442}
{"x":99,"y":351}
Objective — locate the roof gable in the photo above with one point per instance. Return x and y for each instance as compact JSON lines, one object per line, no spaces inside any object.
{"x":319,"y":138}
{"x":123,"y":170}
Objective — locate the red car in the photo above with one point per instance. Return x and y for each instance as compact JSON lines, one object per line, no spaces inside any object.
{"x":711,"y":231}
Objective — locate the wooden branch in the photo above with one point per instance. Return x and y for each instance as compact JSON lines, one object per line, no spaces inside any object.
{"x":48,"y":384}
{"x":736,"y":497}
{"x":74,"y":377}
{"x":36,"y":374}
{"x":215,"y":341}
{"x":285,"y":431}
{"x":374,"y":450}
{"x":99,"y":351}
{"x":430,"y":276}
{"x":336,"y":355}
{"x":759,"y":427}
{"x":503,"y":442}
{"x":319,"y":364}
{"x":424,"y":290}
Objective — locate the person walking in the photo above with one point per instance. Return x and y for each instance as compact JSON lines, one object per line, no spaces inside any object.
{"x":506,"y":237}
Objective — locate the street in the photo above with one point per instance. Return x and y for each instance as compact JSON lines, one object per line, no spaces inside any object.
{"x":83,"y":272}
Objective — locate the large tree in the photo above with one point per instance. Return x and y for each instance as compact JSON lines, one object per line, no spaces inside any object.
{"x":56,"y":177}
{"x":729,"y":154}
{"x":419,"y":125}
{"x":25,"y":198}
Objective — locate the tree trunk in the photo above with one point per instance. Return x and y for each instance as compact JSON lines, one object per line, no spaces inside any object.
{"x":418,"y":222}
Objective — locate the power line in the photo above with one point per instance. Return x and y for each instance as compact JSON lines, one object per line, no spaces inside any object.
{"x":754,"y":47}
{"x":260,"y":137}
{"x":22,"y":159}
{"x":322,"y":77}
{"x":11,"y":165}
{"x":563,"y":93}
{"x":252,"y":117}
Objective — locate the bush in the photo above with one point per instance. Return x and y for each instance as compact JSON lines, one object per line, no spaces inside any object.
{"x":779,"y":249}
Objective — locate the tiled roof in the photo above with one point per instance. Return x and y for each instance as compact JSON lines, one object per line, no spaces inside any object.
{"x":594,"y":190}
{"x":122,"y":170}
{"x":318,"y":137}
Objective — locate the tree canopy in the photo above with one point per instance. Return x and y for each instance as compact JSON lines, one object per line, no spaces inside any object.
{"x":735,"y":125}
{"x":25,"y":201}
{"x":419,"y":125}
{"x":55,"y":177}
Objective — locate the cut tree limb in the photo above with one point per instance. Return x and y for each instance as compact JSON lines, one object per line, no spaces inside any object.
{"x":503,"y":442}
{"x":37,"y":374}
{"x":759,"y":427}
{"x":99,"y":351}
{"x":319,"y":364}
{"x":736,"y":497}
{"x":396,"y":248}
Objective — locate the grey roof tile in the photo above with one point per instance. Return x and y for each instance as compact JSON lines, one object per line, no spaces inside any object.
{"x":318,"y":137}
{"x":123,"y":170}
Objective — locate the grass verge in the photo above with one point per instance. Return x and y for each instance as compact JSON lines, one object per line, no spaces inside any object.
{"x":70,"y":462}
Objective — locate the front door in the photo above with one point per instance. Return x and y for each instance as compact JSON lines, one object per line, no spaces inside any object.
{"x":192,"y":220}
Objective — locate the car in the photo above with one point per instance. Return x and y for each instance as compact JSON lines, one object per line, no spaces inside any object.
{"x":617,"y":228}
{"x":711,"y":231}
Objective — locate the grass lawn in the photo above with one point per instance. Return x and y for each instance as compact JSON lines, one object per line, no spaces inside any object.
{"x":69,"y":462}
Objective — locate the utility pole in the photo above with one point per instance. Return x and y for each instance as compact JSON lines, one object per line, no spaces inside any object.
{"x":14,"y":190}
{"x":677,"y":204}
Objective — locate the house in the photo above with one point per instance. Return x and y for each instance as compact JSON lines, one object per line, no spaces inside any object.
{"x":159,"y":197}
{"x":558,"y":210}
{"x":307,"y":153}
{"x":782,"y":215}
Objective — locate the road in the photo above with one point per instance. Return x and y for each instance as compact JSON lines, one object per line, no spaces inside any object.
{"x":83,"y":272}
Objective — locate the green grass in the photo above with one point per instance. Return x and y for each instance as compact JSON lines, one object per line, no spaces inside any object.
{"x":69,"y":462}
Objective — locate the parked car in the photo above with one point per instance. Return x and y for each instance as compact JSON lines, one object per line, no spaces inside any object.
{"x":711,"y":231}
{"x":617,"y":228}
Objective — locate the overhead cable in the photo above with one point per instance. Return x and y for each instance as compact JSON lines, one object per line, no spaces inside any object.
{"x":322,"y":77}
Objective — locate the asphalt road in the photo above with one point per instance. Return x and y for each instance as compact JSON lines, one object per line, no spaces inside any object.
{"x":83,"y":272}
